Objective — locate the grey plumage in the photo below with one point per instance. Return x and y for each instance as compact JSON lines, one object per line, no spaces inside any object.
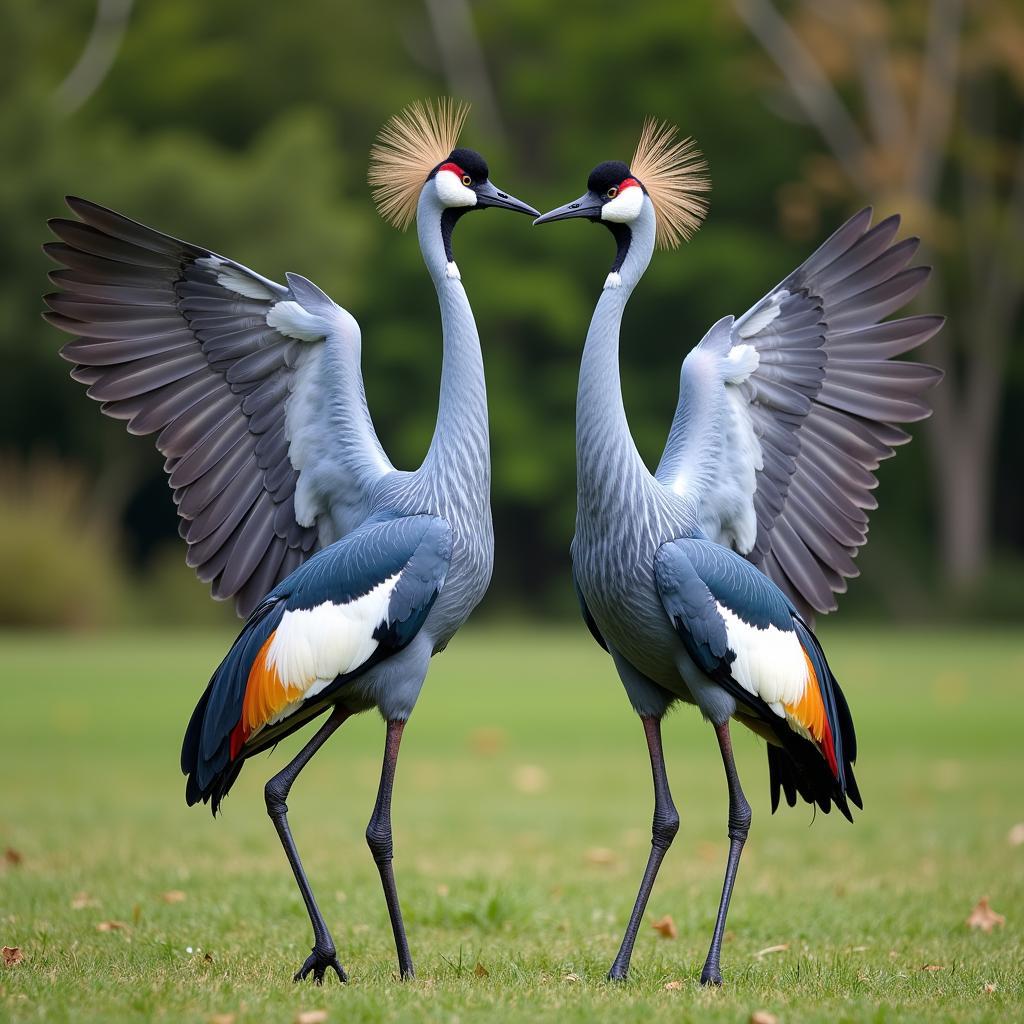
{"x":355,"y":574}
{"x":783,"y":416}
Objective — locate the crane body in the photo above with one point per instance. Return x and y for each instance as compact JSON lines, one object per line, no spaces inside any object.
{"x":351,"y":573}
{"x":701,"y":579}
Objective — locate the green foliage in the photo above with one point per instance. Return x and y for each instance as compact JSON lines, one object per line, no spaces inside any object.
{"x":59,"y":559}
{"x":503,"y":875}
{"x":249,"y":132}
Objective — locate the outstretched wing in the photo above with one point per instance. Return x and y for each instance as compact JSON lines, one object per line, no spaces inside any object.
{"x":349,"y":607}
{"x":254,"y":388}
{"x":796,"y":403}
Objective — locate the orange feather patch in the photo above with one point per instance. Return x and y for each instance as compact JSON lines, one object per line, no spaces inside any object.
{"x":266,"y":695}
{"x":809,"y":711}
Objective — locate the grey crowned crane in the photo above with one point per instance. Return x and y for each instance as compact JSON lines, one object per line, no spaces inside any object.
{"x":701,"y":580}
{"x":352,"y":573}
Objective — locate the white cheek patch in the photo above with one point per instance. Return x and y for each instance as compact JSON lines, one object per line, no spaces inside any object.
{"x":625,"y":207}
{"x":451,"y":191}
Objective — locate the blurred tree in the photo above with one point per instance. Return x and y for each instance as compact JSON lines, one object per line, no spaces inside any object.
{"x":920,"y":108}
{"x":248,"y":130}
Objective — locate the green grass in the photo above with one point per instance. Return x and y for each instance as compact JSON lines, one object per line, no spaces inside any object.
{"x":521,"y":764}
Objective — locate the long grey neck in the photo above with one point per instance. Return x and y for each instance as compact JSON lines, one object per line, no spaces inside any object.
{"x":609,"y":468}
{"x":458,"y":459}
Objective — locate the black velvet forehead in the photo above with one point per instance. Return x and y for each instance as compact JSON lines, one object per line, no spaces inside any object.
{"x":604,"y":176}
{"x":471,"y":162}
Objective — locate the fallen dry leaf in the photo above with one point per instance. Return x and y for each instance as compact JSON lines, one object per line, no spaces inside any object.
{"x":666,"y":927}
{"x":173,"y":896}
{"x":82,"y":900}
{"x":1016,"y":836}
{"x":13,"y":857}
{"x":571,"y":976}
{"x":933,"y":967}
{"x":600,"y":855}
{"x":763,"y":1017}
{"x":984,"y":917}
{"x":12,"y":956}
{"x":673,"y":986}
{"x":222,"y":1018}
{"x":111,"y":926}
{"x":780,"y":948}
{"x":989,"y":986}
{"x":530,"y":778}
{"x":487,"y":741}
{"x":311,"y":1017}
{"x":480,"y":971}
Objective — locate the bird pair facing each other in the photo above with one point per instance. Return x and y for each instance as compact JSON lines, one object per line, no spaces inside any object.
{"x":699,"y":581}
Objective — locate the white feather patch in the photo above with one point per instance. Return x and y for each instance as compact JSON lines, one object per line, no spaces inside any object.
{"x":761,"y":319}
{"x":312,"y":646}
{"x":613,"y":280}
{"x":291,"y":320}
{"x":451,"y":191}
{"x":625,"y":207}
{"x":451,"y":271}
{"x":742,"y":361}
{"x":769,"y":662}
{"x":234,"y":280}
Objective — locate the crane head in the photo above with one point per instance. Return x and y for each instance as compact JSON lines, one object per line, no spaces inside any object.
{"x":670,"y":172}
{"x":613,"y":195}
{"x":417,"y":157}
{"x":462,"y":182}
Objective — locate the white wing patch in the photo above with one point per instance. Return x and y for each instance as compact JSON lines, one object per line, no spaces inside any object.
{"x":312,"y":646}
{"x":291,"y":320}
{"x":234,"y":280}
{"x":769,"y":663}
{"x":760,"y":319}
{"x":742,"y":361}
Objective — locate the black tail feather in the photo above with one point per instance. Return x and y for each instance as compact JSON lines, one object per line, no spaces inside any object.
{"x":799,"y":769}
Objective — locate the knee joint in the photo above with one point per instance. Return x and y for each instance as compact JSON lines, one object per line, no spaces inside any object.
{"x":664,"y":829}
{"x":378,"y":838}
{"x":739,"y":820}
{"x":275,"y":795}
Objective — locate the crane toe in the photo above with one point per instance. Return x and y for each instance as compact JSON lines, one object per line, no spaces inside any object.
{"x":317,"y":964}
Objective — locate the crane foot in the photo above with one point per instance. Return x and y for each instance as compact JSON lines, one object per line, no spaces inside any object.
{"x":711,"y":977}
{"x":317,"y":964}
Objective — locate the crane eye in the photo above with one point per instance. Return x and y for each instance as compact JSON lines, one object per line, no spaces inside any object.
{"x":612,"y":192}
{"x":467,"y":180}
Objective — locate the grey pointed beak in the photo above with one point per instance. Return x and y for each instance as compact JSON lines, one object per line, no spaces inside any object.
{"x":588,"y":205}
{"x":488,"y":195}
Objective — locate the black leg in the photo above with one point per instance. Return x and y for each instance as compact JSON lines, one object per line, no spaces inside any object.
{"x":663,"y":831}
{"x":739,"y":826}
{"x":378,"y":838}
{"x":324,"y":954}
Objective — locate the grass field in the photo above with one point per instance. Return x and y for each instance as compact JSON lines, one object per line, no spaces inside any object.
{"x":522,"y":815}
